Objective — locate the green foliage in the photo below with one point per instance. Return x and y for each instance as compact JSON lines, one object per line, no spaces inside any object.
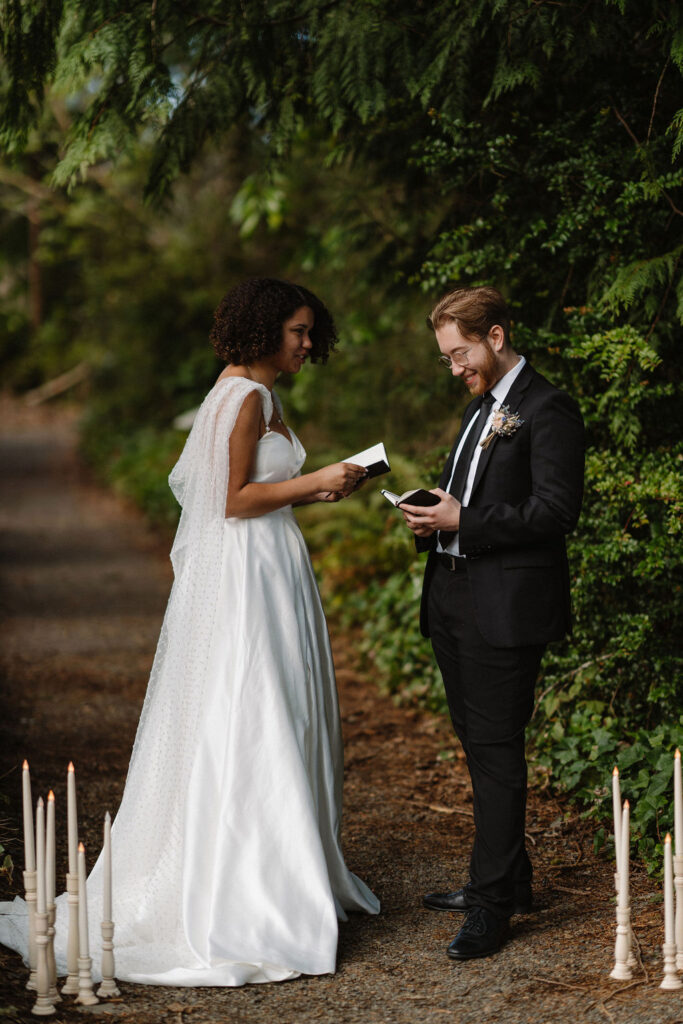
{"x":392,"y":643}
{"x":28,"y":31}
{"x":360,"y":69}
{"x":579,"y":755}
{"x":137,"y":465}
{"x":6,"y":864}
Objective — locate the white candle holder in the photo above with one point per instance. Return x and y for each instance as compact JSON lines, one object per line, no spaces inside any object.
{"x":51,"y":962}
{"x":70,"y":986}
{"x":631,"y":959}
{"x":621,"y":970}
{"x":108,"y":986}
{"x":86,"y":996}
{"x":678,"y":885}
{"x":43,"y":1005}
{"x":630,"y":956}
{"x":670,"y":981}
{"x":30,"y":888}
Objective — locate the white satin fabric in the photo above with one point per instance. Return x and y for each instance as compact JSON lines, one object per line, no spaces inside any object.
{"x":227,"y":861}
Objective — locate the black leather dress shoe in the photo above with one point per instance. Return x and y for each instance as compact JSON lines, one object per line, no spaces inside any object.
{"x":482,"y":934}
{"x":446,"y":901}
{"x":459,"y":902}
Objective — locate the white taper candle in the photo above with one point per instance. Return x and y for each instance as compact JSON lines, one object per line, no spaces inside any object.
{"x":85,"y":996}
{"x":72,"y":819}
{"x":29,"y":838}
{"x":616,"y":810}
{"x":625,"y":855}
{"x":29,"y":873}
{"x":83,"y":944}
{"x":622,"y":969}
{"x":678,"y":803}
{"x":668,"y":892}
{"x":108,"y":986}
{"x":40,"y":857}
{"x":43,"y":1006}
{"x":50,"y":867}
{"x":670,"y":981}
{"x":106,"y":881}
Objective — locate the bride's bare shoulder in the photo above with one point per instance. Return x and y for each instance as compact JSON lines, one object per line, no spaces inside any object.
{"x":233,"y":371}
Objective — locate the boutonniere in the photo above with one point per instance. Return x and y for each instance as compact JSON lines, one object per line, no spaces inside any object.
{"x":503,"y":424}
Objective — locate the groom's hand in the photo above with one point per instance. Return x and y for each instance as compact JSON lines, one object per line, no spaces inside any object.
{"x":444,"y":516}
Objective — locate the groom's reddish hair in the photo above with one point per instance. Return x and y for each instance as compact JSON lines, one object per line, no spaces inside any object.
{"x":474,"y":310}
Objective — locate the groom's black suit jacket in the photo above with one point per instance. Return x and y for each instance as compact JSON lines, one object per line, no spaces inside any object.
{"x":526,"y":496}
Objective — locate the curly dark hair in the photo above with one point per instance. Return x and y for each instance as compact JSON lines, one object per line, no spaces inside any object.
{"x":247,"y":324}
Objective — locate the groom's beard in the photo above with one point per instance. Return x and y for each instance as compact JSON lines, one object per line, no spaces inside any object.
{"x":486,"y":372}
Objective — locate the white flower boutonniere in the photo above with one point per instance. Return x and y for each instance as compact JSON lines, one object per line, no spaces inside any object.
{"x":503,"y":424}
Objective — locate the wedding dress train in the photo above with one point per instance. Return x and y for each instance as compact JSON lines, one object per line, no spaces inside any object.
{"x":227,"y":862}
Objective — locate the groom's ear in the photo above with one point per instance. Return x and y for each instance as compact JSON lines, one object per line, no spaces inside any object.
{"x":496,"y":337}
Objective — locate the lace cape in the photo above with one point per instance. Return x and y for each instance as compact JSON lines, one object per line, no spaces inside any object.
{"x":148,"y":832}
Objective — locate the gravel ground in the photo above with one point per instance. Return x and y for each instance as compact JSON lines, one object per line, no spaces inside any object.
{"x":83,"y":588}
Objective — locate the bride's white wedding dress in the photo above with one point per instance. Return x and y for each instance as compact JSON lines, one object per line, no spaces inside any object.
{"x":227,"y":862}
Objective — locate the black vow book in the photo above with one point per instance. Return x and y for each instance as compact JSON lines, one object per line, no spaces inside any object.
{"x":419,"y":497}
{"x":374,"y":459}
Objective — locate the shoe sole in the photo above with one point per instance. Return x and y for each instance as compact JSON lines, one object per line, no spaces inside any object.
{"x":519,"y":911}
{"x":473,"y":956}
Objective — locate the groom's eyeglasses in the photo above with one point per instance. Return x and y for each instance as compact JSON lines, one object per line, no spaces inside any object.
{"x":460,"y":359}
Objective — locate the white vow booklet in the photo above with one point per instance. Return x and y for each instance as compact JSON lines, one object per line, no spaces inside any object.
{"x":374,"y":459}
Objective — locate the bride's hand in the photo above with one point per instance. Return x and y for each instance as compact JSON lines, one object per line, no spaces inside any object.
{"x":328,"y":496}
{"x":341,"y":478}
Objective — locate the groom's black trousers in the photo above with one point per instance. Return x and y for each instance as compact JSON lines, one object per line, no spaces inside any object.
{"x":490,"y":692}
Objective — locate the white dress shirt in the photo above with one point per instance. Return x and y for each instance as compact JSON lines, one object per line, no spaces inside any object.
{"x":499,"y":391}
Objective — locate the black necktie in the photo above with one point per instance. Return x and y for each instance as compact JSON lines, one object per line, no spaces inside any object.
{"x":457,"y":487}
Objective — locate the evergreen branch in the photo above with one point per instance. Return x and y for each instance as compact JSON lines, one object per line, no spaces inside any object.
{"x":626,"y":126}
{"x":207,"y":19}
{"x":153,"y":28}
{"x":297,"y":17}
{"x":115,"y":17}
{"x":31,"y":187}
{"x":274,"y":22}
{"x":671,"y":203}
{"x":663,"y":302}
{"x":666,"y":195}
{"x":98,"y":115}
{"x":656,"y":97}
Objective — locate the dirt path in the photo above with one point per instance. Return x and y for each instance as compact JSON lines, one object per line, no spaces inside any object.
{"x":83,"y":588}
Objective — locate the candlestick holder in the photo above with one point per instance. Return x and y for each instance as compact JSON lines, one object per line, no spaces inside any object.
{"x":43,"y":1005}
{"x":631,"y":959}
{"x":30,"y":885}
{"x":678,"y":885}
{"x":86,"y":996}
{"x":621,"y":970}
{"x":108,"y":986}
{"x":51,"y":962}
{"x":70,"y":986}
{"x":670,"y":981}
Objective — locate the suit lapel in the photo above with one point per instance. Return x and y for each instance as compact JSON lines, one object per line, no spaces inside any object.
{"x":513,"y":400}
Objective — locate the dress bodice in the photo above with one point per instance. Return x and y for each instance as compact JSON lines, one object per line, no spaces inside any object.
{"x":276,"y":459}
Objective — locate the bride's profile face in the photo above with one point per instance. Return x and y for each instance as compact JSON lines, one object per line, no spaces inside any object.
{"x":296,"y":341}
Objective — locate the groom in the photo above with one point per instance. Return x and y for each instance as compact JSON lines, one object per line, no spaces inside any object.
{"x":496,"y":587}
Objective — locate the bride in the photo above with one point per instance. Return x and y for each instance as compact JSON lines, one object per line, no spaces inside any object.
{"x":227,"y":862}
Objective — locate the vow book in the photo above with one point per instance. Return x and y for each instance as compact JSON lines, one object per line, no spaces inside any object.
{"x":374,"y":459}
{"x":418,"y":497}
